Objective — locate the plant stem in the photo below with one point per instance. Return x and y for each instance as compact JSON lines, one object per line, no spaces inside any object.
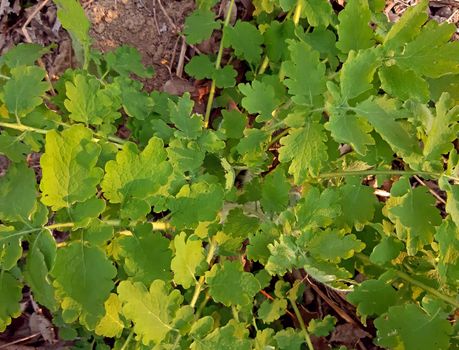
{"x":210,"y":101}
{"x":278,"y":137}
{"x":409,"y":279}
{"x":4,"y":77}
{"x":200,"y":283}
{"x":384,"y":172}
{"x":302,"y":325}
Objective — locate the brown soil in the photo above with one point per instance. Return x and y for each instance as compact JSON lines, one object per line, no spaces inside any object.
{"x":144,"y":24}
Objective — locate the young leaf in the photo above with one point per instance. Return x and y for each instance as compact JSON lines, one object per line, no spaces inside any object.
{"x":230,"y":337}
{"x":125,"y":60}
{"x":199,"y":26}
{"x":230,"y":285}
{"x":10,"y":295}
{"x":260,"y":97}
{"x":306,"y":149}
{"x":152,"y":311}
{"x":417,"y":213}
{"x":318,"y":12}
{"x":403,"y":83}
{"x":13,"y":147}
{"x":334,"y":246}
{"x":189,"y":255}
{"x":24,"y":91}
{"x":233,"y":124}
{"x":271,"y":311}
{"x":190,"y":125}
{"x":23,"y":54}
{"x":83,"y":281}
{"x":306,"y":74}
{"x":246,"y":41}
{"x":10,"y":247}
{"x":238,"y":224}
{"x":322,"y":328}
{"x":354,"y":30}
{"x":69,"y":167}
{"x":136,"y":174}
{"x":111,"y":325}
{"x":396,"y":330}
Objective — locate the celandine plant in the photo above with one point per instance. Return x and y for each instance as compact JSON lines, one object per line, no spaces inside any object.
{"x":167,"y":249}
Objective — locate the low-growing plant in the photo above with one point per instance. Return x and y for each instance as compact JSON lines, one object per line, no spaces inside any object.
{"x":202,"y":232}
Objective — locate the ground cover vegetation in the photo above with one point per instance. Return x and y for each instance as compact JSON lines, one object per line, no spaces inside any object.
{"x":308,"y":169}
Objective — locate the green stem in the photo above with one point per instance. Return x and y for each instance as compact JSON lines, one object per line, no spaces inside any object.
{"x":384,"y":172}
{"x":128,"y":340}
{"x":278,"y":137}
{"x":200,"y":283}
{"x":409,"y":279}
{"x":218,"y":62}
{"x":302,"y":325}
{"x":297,"y":13}
{"x":24,"y":128}
{"x":4,"y":77}
{"x":264,"y":65}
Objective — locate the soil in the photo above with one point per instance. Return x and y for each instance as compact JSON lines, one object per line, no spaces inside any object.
{"x":149,"y":25}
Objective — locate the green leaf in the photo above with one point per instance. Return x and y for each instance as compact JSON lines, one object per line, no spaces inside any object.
{"x":189,"y":255}
{"x":275,"y":39}
{"x":136,"y":174}
{"x":431,"y":54}
{"x":10,"y":295}
{"x":230,"y":285}
{"x":260,"y":98}
{"x":10,"y":247}
{"x":69,"y":167}
{"x":246,"y":41}
{"x":199,"y":26}
{"x":318,"y":12}
{"x":190,"y":125}
{"x":233,"y":336}
{"x":334,"y":246}
{"x":447,"y":237}
{"x":86,"y":102}
{"x":407,"y":27}
{"x":306,"y":74}
{"x":201,"y":67}
{"x":72,"y":17}
{"x":111,"y":325}
{"x":403,"y":83}
{"x":317,"y":209}
{"x":357,"y":73}
{"x":289,"y":339}
{"x":386,"y":250}
{"x":409,"y":327}
{"x":275,"y":191}
{"x":372,"y":298}
{"x":13,"y":147}
{"x":322,"y":328}
{"x":238,"y":224}
{"x":18,"y":193}
{"x":306,"y":149}
{"x":152,"y":311}
{"x":125,"y":60}
{"x":417,"y":213}
{"x":442,"y":129}
{"x":137,"y":250}
{"x":23,"y":54}
{"x":357,"y":204}
{"x":382,"y":114}
{"x":271,"y":311}
{"x":354,"y":30}
{"x":452,"y":199}
{"x":24,"y":91}
{"x":233,"y":124}
{"x":196,"y":203}
{"x":40,"y":261}
{"x":185,"y":155}
{"x":83,"y":281}
{"x":252,"y":148}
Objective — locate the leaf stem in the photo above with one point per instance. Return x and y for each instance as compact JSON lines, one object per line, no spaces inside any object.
{"x":297,"y":13}
{"x":200,"y":284}
{"x":404,"y":276}
{"x":24,"y":128}
{"x":210,"y":100}
{"x":4,"y":77}
{"x":302,"y":325}
{"x":128,"y":340}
